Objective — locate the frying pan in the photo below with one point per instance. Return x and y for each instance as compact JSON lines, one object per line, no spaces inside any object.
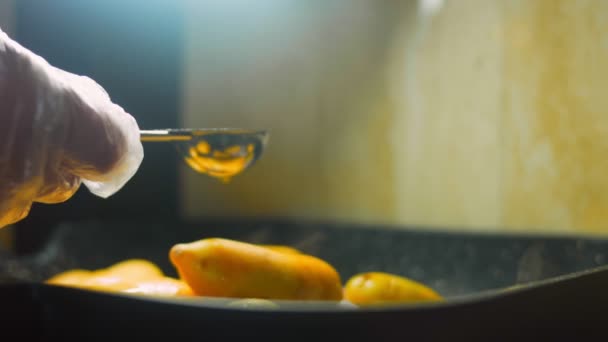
{"x":560,"y":292}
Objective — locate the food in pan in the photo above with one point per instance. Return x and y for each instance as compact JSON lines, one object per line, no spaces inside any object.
{"x":134,"y":269}
{"x":250,"y":273}
{"x":70,"y":278}
{"x":375,"y":288}
{"x":226,"y":268}
{"x":163,"y":286}
{"x":135,"y":276}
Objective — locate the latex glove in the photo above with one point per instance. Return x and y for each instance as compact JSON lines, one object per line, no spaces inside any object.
{"x":57,"y":130}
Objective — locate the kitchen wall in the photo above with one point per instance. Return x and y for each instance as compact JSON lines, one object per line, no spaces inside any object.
{"x":504,"y":117}
{"x":554,"y":115}
{"x":312,"y":73}
{"x":474,"y":114}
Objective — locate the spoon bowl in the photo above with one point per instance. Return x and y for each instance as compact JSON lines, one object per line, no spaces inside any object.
{"x":218,"y":152}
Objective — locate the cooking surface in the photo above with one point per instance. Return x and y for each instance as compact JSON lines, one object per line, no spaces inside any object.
{"x":453,"y":264}
{"x":569,"y":309}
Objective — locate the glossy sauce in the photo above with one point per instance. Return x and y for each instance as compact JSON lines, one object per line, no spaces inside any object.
{"x":221,"y":164}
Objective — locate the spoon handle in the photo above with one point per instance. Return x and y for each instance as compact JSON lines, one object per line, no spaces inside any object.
{"x":163,"y":135}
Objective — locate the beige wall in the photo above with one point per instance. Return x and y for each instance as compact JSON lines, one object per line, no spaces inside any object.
{"x":486,"y":114}
{"x":554,"y":115}
{"x":447,"y":79}
{"x":316,"y":85}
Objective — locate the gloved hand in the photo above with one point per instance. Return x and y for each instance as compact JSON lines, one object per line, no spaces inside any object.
{"x":57,"y":130}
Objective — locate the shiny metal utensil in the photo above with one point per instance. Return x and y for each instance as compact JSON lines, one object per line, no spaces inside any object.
{"x":218,"y":152}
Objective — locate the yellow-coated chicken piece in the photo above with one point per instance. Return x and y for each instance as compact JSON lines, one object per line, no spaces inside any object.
{"x":383,"y":288}
{"x":134,"y":269}
{"x":165,"y":287}
{"x":135,"y":276}
{"x":226,"y":268}
{"x":74,"y":277}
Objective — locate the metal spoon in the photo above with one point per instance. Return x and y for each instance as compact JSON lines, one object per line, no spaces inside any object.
{"x":218,"y":152}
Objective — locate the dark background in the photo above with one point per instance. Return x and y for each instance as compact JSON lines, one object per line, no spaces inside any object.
{"x":133,"y":49}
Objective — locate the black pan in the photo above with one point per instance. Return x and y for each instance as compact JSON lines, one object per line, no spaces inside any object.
{"x":562,"y":290}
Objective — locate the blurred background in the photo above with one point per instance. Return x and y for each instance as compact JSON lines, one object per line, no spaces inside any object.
{"x":484,"y":115}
